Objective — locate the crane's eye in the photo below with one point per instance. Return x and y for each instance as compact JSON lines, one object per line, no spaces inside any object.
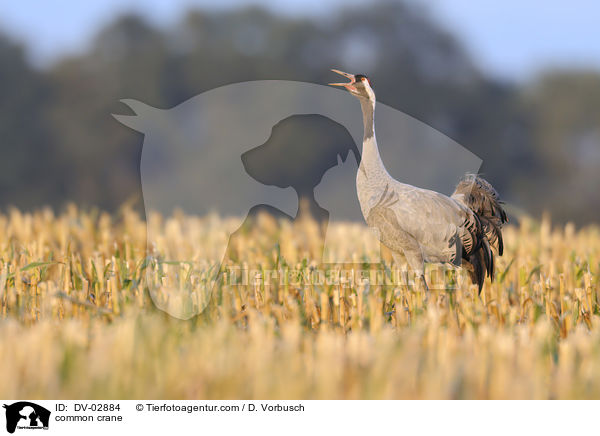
{"x":361,"y":78}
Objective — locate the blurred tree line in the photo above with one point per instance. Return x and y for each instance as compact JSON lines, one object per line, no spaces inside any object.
{"x":540,"y":141}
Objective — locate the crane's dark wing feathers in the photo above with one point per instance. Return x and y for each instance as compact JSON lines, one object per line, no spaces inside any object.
{"x":485,"y":231}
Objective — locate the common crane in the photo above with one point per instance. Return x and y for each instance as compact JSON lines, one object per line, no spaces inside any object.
{"x":424,"y":225}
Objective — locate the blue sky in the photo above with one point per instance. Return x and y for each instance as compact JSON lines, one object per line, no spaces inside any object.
{"x":509,"y":39}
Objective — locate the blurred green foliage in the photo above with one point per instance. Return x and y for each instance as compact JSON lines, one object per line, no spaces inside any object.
{"x":540,"y":141}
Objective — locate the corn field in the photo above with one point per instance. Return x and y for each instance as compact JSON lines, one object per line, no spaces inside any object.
{"x":78,"y":320}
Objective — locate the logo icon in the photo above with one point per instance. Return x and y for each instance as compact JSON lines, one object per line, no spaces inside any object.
{"x":26,"y":415}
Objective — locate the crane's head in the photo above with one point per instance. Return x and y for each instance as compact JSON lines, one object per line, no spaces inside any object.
{"x":359,"y":85}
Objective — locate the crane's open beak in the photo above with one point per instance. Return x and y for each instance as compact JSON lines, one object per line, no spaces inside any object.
{"x":347,"y":85}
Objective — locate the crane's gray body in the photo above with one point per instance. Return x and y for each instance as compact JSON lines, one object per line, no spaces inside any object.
{"x":424,"y":225}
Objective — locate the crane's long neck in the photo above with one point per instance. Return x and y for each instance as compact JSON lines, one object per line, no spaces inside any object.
{"x":370,"y":164}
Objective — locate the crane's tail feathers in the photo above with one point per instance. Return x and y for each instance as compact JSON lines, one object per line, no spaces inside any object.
{"x":480,"y":196}
{"x":474,"y":264}
{"x":488,"y":258}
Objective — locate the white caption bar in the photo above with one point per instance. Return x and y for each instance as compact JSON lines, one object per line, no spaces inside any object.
{"x":149,"y":417}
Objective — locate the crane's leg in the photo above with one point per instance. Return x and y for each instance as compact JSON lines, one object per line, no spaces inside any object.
{"x":415,"y":261}
{"x":402,"y":241}
{"x":424,"y":283}
{"x":399,"y":262}
{"x":414,"y":257}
